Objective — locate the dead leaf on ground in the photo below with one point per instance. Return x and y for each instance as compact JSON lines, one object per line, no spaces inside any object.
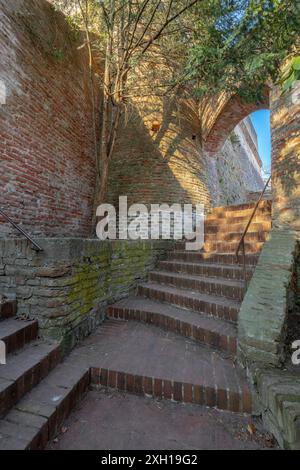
{"x":251,"y":428}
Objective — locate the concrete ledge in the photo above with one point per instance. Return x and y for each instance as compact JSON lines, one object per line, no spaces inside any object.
{"x":262,"y":318}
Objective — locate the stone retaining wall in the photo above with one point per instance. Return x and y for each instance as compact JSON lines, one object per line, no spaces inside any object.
{"x":68,"y":286}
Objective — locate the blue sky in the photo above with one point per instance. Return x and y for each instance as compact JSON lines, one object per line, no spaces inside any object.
{"x":261,"y":123}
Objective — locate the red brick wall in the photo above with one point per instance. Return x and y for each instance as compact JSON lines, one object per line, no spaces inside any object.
{"x":285,"y":124}
{"x":47,"y":169}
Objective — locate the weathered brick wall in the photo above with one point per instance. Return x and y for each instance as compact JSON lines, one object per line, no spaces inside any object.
{"x":47,"y":169}
{"x":172,"y":165}
{"x":285,"y":124}
{"x":162,"y":165}
{"x":68,"y":286}
{"x":47,"y":166}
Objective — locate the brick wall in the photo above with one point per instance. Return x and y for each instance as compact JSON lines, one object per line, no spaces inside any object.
{"x":285,"y":124}
{"x":47,"y":166}
{"x":47,"y":169}
{"x":171,"y":164}
{"x":68,"y":286}
{"x":163,"y":165}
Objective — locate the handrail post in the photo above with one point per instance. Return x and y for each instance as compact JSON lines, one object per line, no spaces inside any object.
{"x":244,"y":263}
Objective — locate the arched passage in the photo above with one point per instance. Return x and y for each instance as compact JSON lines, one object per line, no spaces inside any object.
{"x":222,"y":115}
{"x":230,"y":147}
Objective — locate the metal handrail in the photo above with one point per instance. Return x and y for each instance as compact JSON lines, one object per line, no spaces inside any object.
{"x":242,"y":240}
{"x":17,"y":227}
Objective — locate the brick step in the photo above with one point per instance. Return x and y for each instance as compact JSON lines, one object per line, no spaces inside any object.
{"x":236,"y":236}
{"x":16,"y":333}
{"x":229,"y":240}
{"x":24,"y":370}
{"x":219,"y":287}
{"x":230,"y":247}
{"x":244,"y":210}
{"x":206,"y":269}
{"x":145,"y":360}
{"x":38,"y":417}
{"x":238,"y":228}
{"x":208,"y":304}
{"x":214,"y":258}
{"x":8,"y":308}
{"x":213,"y":332}
{"x":227,"y":222}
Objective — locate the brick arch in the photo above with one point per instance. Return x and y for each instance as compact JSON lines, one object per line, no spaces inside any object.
{"x":222,"y":115}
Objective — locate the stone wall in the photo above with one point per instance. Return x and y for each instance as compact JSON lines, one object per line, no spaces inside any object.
{"x":235,"y":170}
{"x":68,"y":286}
{"x":47,"y":147}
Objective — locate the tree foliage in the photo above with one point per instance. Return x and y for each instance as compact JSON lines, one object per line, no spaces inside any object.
{"x":239,"y":45}
{"x":129,"y":29}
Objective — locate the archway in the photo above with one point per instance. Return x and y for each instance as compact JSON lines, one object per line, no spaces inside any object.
{"x":230,"y":145}
{"x":220,"y":120}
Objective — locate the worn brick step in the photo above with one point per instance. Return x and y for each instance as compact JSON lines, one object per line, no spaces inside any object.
{"x":230,"y":247}
{"x":16,"y":333}
{"x":239,"y":220}
{"x":216,"y":333}
{"x":38,"y":417}
{"x":24,"y":370}
{"x":236,"y":236}
{"x":227,"y":222}
{"x":244,"y":210}
{"x":8,"y":308}
{"x":214,"y":258}
{"x":206,"y":269}
{"x":238,"y":228}
{"x":224,"y":241}
{"x":146,"y":360}
{"x":227,"y":309}
{"x":219,"y":287}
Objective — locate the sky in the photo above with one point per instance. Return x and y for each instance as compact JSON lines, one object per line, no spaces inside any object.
{"x":261,"y":123}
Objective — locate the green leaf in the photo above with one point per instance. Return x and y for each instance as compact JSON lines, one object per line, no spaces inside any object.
{"x":289,"y":82}
{"x":296,"y":63}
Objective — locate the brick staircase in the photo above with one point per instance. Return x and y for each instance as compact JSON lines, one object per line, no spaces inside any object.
{"x":175,"y":339}
{"x":194,"y":298}
{"x":28,"y":361}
